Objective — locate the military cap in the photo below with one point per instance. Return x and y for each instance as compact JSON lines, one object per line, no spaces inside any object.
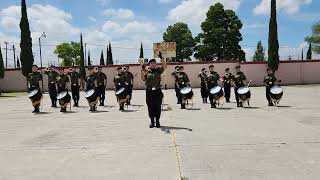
{"x":152,"y":61}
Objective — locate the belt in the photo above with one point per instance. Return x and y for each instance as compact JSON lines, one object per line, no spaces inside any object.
{"x":153,"y":88}
{"x":75,"y":84}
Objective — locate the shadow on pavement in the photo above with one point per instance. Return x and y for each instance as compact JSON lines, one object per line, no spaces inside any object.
{"x":168,"y":129}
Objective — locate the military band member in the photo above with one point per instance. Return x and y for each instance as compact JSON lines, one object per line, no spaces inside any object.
{"x":62,"y":84}
{"x":154,"y":95}
{"x":52,"y":78}
{"x":270,"y":80}
{"x":227,"y":80}
{"x":102,"y":82}
{"x":239,"y":80}
{"x":212,"y":81}
{"x":129,"y":82}
{"x":182,"y":82}
{"x":91,"y":83}
{"x":204,"y":90}
{"x":120,"y":82}
{"x":176,"y":88}
{"x":33,"y":84}
{"x":75,"y":86}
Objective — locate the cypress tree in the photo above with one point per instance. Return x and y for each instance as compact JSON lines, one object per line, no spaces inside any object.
{"x":109,"y":55}
{"x":89,"y":59}
{"x":82,"y":68}
{"x":102,"y":59}
{"x":18,"y":63}
{"x":1,"y":65}
{"x":107,"y":58}
{"x":302,"y":55}
{"x":259,"y":54}
{"x":273,"y":51}
{"x":309,"y":53}
{"x":141,"y":51}
{"x":26,"y":54}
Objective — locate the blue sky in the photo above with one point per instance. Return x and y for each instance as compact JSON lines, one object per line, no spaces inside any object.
{"x":127,"y":23}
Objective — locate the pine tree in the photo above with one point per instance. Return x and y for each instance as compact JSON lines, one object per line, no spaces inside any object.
{"x":102,"y":59}
{"x":26,"y":42}
{"x":309,"y":53}
{"x":259,"y":55}
{"x":109,"y":55}
{"x":89,"y":59}
{"x":141,"y":51}
{"x":273,"y":51}
{"x":82,"y":66}
{"x":1,"y":65}
{"x":302,"y":55}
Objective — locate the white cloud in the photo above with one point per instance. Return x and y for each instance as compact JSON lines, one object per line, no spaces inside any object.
{"x":93,"y":19}
{"x":254,"y":26}
{"x":119,"y":13}
{"x":103,"y":2}
{"x":133,"y":27}
{"x":288,"y":6}
{"x":194,"y":11}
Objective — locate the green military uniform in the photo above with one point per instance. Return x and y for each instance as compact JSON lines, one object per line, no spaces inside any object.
{"x":52,"y":78}
{"x":129,"y":80}
{"x":91,"y":82}
{"x":75,"y":87}
{"x":182,"y":82}
{"x":176,"y":87}
{"x":62,"y":81}
{"x":204,"y":90}
{"x":239,"y":79}
{"x":154,"y":94}
{"x":101,"y":88}
{"x":33,"y":80}
{"x":119,"y":82}
{"x":270,"y":81}
{"x":212,"y":81}
{"x":227,"y":79}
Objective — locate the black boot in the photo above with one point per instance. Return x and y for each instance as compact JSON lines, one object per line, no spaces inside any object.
{"x":213,"y":105}
{"x":183,"y":106}
{"x":270,"y":104}
{"x":121,"y":108}
{"x":158,"y":123}
{"x":151,"y":123}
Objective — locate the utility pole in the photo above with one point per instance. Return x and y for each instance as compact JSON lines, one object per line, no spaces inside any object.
{"x":14,"y":56}
{"x":6,"y":53}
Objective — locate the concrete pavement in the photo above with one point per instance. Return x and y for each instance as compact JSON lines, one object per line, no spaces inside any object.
{"x":200,"y":143}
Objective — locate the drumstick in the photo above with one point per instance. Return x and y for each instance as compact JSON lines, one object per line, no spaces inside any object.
{"x":249,"y":83}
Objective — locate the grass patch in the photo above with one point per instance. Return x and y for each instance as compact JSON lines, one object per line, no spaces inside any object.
{"x":15,"y":94}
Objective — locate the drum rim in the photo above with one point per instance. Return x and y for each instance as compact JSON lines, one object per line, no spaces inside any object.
{"x":36,"y":91}
{"x":120,"y":90}
{"x":239,"y":90}
{"x":184,"y":89}
{"x":87,"y":93}
{"x":63,"y":92}
{"x":215,"y":88}
{"x":276,"y":87}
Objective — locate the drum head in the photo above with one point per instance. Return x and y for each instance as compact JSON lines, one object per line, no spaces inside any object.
{"x":62,"y":95}
{"x":89,"y":93}
{"x":243,"y":90}
{"x":120,"y":91}
{"x":276,"y":90}
{"x":33,"y":93}
{"x":186,"y":90}
{"x":215,"y":90}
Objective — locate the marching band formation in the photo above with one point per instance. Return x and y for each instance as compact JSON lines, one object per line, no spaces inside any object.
{"x":213,"y":86}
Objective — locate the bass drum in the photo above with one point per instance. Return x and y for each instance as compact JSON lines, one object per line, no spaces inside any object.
{"x":216,"y":93}
{"x":35,"y":96}
{"x":187,"y":92}
{"x":276,"y":93}
{"x":64,"y":97}
{"x":244,"y":93}
{"x":91,"y":96}
{"x":122,"y":95}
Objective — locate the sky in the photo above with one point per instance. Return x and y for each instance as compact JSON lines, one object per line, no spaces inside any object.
{"x":127,"y":23}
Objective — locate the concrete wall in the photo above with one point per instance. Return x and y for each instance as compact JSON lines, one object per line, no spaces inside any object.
{"x":291,"y":73}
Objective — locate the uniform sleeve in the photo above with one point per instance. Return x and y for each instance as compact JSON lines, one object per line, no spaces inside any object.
{"x":244,"y":77}
{"x":218,"y":76}
{"x":161,"y":70}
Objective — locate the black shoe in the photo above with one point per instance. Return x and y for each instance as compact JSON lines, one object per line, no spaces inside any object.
{"x":151,"y":125}
{"x":270,"y":104}
{"x":179,"y":102}
{"x":213,"y":106}
{"x":101,"y":104}
{"x":76,"y":105}
{"x":183,"y":107}
{"x":121,"y":109}
{"x":227,"y":100}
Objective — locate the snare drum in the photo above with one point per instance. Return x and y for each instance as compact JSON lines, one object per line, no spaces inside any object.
{"x":35,"y":97}
{"x":187,"y":92}
{"x":64,"y":98}
{"x":244,"y":93}
{"x":91,"y":96}
{"x":276,"y":93}
{"x":216,"y":93}
{"x":122,"y":95}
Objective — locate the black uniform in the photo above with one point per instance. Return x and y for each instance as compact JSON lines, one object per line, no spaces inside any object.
{"x":129,"y":79}
{"x":227,"y":79}
{"x":91,"y":82}
{"x":62,"y":81}
{"x":239,"y":79}
{"x":212,"y":81}
{"x":204,"y":90}
{"x":182,"y":82}
{"x":101,"y":88}
{"x":75,"y":87}
{"x":154,"y":94}
{"x":176,"y":87}
{"x":270,"y":81}
{"x":33,"y":80}
{"x":52,"y":78}
{"x":119,"y":82}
